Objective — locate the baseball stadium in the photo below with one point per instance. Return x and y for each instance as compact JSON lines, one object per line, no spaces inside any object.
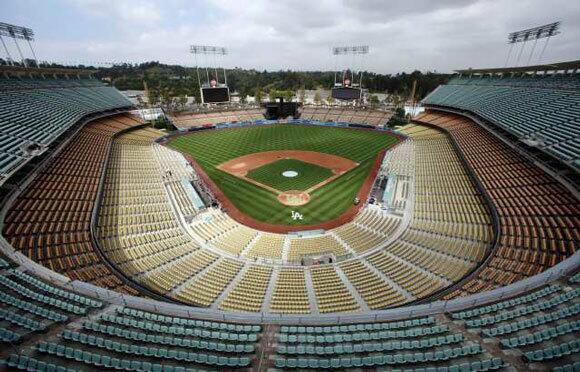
{"x":240,"y":237}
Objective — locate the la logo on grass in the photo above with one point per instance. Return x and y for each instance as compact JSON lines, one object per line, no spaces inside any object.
{"x":297,"y":216}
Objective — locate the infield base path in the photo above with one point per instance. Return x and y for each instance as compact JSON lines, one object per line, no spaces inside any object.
{"x":241,"y":165}
{"x":249,"y":221}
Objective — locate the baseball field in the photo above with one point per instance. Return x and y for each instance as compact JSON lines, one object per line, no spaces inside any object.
{"x":269,"y":172}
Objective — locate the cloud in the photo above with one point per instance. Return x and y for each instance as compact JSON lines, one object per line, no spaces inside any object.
{"x":133,"y":11}
{"x":299,"y":34}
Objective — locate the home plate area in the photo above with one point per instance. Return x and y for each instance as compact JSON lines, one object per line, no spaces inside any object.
{"x":290,"y":174}
{"x":294,"y":197}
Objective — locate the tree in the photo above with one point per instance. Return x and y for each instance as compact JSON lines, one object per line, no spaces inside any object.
{"x":302,"y":95}
{"x":152,"y":97}
{"x":272,"y":94}
{"x":374,"y":101}
{"x":398,"y":118}
{"x":258,"y":96}
{"x":317,"y":98}
{"x":288,"y":95}
{"x":182,"y":101}
{"x":330,"y":99}
{"x":183,"y":80}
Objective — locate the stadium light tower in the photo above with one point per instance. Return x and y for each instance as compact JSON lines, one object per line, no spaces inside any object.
{"x":212,"y":91}
{"x":348,"y":88}
{"x":17,"y":32}
{"x":535,"y":33}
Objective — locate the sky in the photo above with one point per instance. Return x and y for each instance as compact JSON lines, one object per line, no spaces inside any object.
{"x":403,"y":35}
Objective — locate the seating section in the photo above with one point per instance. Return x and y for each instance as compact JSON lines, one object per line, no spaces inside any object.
{"x":542,"y":324}
{"x":249,"y":292}
{"x":375,"y":291}
{"x":212,"y":225}
{"x":177,"y":173}
{"x":235,"y":240}
{"x":368,"y":230}
{"x":345,"y":115}
{"x":200,"y":119}
{"x":50,"y":221}
{"x":331,"y":293}
{"x":542,"y":109}
{"x":63,"y":330}
{"x":137,"y":228}
{"x":205,"y":289}
{"x":290,"y":294}
{"x":267,"y":246}
{"x":30,"y":305}
{"x":538,"y":216}
{"x":300,"y":247}
{"x":451,"y":228}
{"x":415,"y":343}
{"x":124,"y":338}
{"x":36,"y":111}
{"x":335,"y":114}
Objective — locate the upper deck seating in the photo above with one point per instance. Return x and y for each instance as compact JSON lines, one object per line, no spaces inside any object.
{"x":36,"y":111}
{"x":542,"y":109}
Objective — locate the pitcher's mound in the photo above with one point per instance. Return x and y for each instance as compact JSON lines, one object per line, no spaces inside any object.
{"x":293,"y":197}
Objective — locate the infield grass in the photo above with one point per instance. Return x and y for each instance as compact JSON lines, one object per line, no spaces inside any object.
{"x":213,"y":147}
{"x":308,"y":174}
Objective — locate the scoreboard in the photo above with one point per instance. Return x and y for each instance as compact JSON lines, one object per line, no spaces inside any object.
{"x":346,"y":93}
{"x":215,"y":94}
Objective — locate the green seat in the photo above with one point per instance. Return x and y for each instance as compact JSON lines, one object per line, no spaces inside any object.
{"x":292,"y":363}
{"x":335,"y":363}
{"x":312,"y":363}
{"x":96,"y":359}
{"x":280,"y":363}
{"x":232,"y":362}
{"x":367,"y":361}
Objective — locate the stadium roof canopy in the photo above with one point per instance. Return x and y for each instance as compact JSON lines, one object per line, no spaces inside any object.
{"x":560,"y":66}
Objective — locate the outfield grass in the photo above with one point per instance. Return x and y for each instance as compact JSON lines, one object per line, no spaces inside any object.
{"x":211,"y":148}
{"x":308,"y":174}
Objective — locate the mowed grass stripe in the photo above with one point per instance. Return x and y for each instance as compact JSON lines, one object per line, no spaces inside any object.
{"x":211,"y":148}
